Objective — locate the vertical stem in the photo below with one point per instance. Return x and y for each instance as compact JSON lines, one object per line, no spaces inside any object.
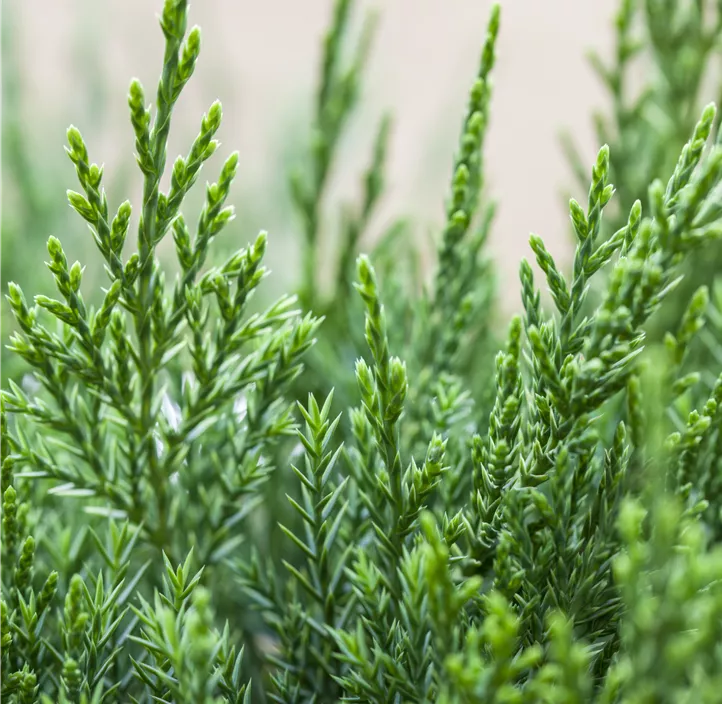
{"x":310,"y":255}
{"x":147,"y":237}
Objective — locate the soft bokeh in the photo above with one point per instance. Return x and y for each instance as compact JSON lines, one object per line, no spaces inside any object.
{"x":261,"y":60}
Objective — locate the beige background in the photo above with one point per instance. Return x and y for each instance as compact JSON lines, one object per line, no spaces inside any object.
{"x":260,"y":58}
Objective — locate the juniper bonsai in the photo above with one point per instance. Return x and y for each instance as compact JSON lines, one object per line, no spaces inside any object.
{"x":189,"y":513}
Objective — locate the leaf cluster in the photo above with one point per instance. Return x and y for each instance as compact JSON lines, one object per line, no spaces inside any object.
{"x":551,"y":536}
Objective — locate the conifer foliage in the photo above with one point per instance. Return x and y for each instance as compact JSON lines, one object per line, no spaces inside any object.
{"x":183,"y":521}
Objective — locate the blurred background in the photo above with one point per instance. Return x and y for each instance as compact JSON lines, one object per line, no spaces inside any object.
{"x":71,"y":62}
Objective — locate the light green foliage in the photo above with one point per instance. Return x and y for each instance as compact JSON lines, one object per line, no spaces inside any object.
{"x":542,"y":526}
{"x":33,"y":168}
{"x":676,"y":46}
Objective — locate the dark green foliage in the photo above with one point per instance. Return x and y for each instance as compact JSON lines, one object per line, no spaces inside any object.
{"x":184,"y":520}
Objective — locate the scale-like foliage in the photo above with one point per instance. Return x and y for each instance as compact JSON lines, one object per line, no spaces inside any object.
{"x":555,"y":540}
{"x":676,"y":45}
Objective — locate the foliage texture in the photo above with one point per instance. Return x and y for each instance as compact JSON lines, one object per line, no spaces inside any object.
{"x":191,"y":514}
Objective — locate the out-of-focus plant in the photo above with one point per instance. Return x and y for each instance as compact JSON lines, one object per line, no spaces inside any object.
{"x":462,"y":288}
{"x":33,"y":207}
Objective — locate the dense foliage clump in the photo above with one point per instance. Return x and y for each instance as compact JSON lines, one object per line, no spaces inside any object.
{"x":375,"y":496}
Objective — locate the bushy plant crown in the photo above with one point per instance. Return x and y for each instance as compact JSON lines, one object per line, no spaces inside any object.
{"x":372,"y":497}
